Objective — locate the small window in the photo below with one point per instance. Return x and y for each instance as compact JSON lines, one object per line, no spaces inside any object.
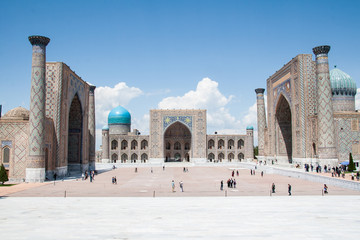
{"x":6,"y":156}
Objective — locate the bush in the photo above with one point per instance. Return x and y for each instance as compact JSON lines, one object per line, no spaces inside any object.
{"x":3,"y":175}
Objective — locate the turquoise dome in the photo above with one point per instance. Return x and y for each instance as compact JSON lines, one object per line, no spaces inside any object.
{"x":119,"y":115}
{"x":249,"y":128}
{"x":106,"y":128}
{"x":342,"y":83}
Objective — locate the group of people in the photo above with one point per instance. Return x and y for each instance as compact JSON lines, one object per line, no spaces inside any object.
{"x":273,"y":188}
{"x":181,"y":184}
{"x":85,"y":175}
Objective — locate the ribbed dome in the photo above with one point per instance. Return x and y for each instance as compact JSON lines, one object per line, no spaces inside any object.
{"x":119,"y":115}
{"x":18,"y":113}
{"x":249,"y":128}
{"x":105,"y":128}
{"x":342,"y":83}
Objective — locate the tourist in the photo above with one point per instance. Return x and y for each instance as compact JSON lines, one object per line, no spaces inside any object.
{"x":233,"y":173}
{"x":136,"y":169}
{"x":112,"y":180}
{"x":237,"y":172}
{"x":82,"y":176}
{"x":312,"y":167}
{"x":221,"y":185}
{"x":325,"y":189}
{"x":234,"y":182}
{"x":163,"y":167}
{"x":357,"y":176}
{"x":289,"y":189}
{"x":181,"y":186}
{"x":173,"y":186}
{"x":262,"y":173}
{"x":273,"y":188}
{"x":151,"y":170}
{"x":115,"y":181}
{"x":55,"y":176}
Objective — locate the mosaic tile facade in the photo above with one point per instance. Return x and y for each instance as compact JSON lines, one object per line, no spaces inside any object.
{"x":317,"y":134}
{"x":175,"y":135}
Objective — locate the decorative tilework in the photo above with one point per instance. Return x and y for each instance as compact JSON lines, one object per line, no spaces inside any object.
{"x":168,"y":120}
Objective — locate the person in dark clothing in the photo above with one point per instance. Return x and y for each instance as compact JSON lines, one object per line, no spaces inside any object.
{"x":289,"y":189}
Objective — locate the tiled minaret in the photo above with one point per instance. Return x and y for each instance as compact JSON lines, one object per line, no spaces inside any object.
{"x":261,"y":121}
{"x":105,"y":144}
{"x":35,"y":165}
{"x":249,"y":144}
{"x":92,"y":127}
{"x":326,"y":129}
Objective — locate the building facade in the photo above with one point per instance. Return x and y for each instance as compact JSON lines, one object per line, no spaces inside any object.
{"x":175,"y":136}
{"x":57,"y":134}
{"x":310,"y":115}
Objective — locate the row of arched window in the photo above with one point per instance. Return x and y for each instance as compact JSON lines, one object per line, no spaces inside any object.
{"x":221,"y":144}
{"x":177,"y":146}
{"x":134,"y":145}
{"x":124,"y":158}
{"x":221,"y":157}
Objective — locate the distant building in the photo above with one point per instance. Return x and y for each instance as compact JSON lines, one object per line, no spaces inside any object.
{"x":175,"y":136}
{"x":311,"y":115}
{"x":57,"y":134}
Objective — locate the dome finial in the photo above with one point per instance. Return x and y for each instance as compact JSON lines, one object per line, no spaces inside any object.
{"x":334,"y":66}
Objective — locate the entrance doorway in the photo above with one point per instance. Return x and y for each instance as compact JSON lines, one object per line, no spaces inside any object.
{"x":75,"y":135}
{"x":177,"y":143}
{"x":283,"y":129}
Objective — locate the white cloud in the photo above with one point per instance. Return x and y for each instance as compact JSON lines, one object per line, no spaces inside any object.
{"x":206,"y":96}
{"x":357,"y":99}
{"x":108,"y":98}
{"x":142,"y":123}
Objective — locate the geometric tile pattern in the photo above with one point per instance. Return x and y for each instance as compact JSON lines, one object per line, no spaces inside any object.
{"x":261,"y":120}
{"x":346,"y":138}
{"x":169,"y":120}
{"x":17,"y":134}
{"x":326,"y":135}
{"x":37,"y":106}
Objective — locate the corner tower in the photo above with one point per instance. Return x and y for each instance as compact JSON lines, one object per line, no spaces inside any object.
{"x":35,"y":164}
{"x":261,"y":121}
{"x":326,"y":129}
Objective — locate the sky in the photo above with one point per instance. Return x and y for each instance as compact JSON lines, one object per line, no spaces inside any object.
{"x":167,"y":54}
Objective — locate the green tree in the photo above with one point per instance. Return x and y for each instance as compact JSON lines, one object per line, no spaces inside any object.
{"x":3,"y":175}
{"x":351,"y":166}
{"x":256,"y":152}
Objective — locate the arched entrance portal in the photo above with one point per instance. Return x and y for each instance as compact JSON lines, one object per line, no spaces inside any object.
{"x":75,"y":135}
{"x":283,"y":130}
{"x":177,"y":143}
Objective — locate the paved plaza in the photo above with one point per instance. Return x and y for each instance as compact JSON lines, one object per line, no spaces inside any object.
{"x":198,"y":181}
{"x":129,"y":209}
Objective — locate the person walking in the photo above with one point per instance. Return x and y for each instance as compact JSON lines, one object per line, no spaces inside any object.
{"x":273,"y":188}
{"x":221,"y":185}
{"x":289,"y":189}
{"x":181,"y":186}
{"x":234,"y":183}
{"x":325,"y":189}
{"x":173,"y":186}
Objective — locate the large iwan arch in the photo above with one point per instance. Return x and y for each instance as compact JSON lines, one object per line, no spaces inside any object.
{"x":177,"y":136}
{"x":75,"y":135}
{"x":283,"y":129}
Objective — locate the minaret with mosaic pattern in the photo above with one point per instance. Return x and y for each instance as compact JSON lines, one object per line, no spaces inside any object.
{"x":35,"y":164}
{"x":92,"y":126}
{"x":261,"y":121}
{"x":326,"y":128}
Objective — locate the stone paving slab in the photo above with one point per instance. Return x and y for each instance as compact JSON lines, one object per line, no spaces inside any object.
{"x":279,"y":217}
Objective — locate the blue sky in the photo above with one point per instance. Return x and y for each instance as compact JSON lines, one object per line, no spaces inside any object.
{"x":174,"y":54}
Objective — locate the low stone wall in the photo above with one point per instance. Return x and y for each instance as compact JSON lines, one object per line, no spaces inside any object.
{"x":269,"y":169}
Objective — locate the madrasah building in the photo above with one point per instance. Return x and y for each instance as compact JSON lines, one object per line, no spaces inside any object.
{"x":175,"y":136}
{"x":310,"y":116}
{"x":57,"y":134}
